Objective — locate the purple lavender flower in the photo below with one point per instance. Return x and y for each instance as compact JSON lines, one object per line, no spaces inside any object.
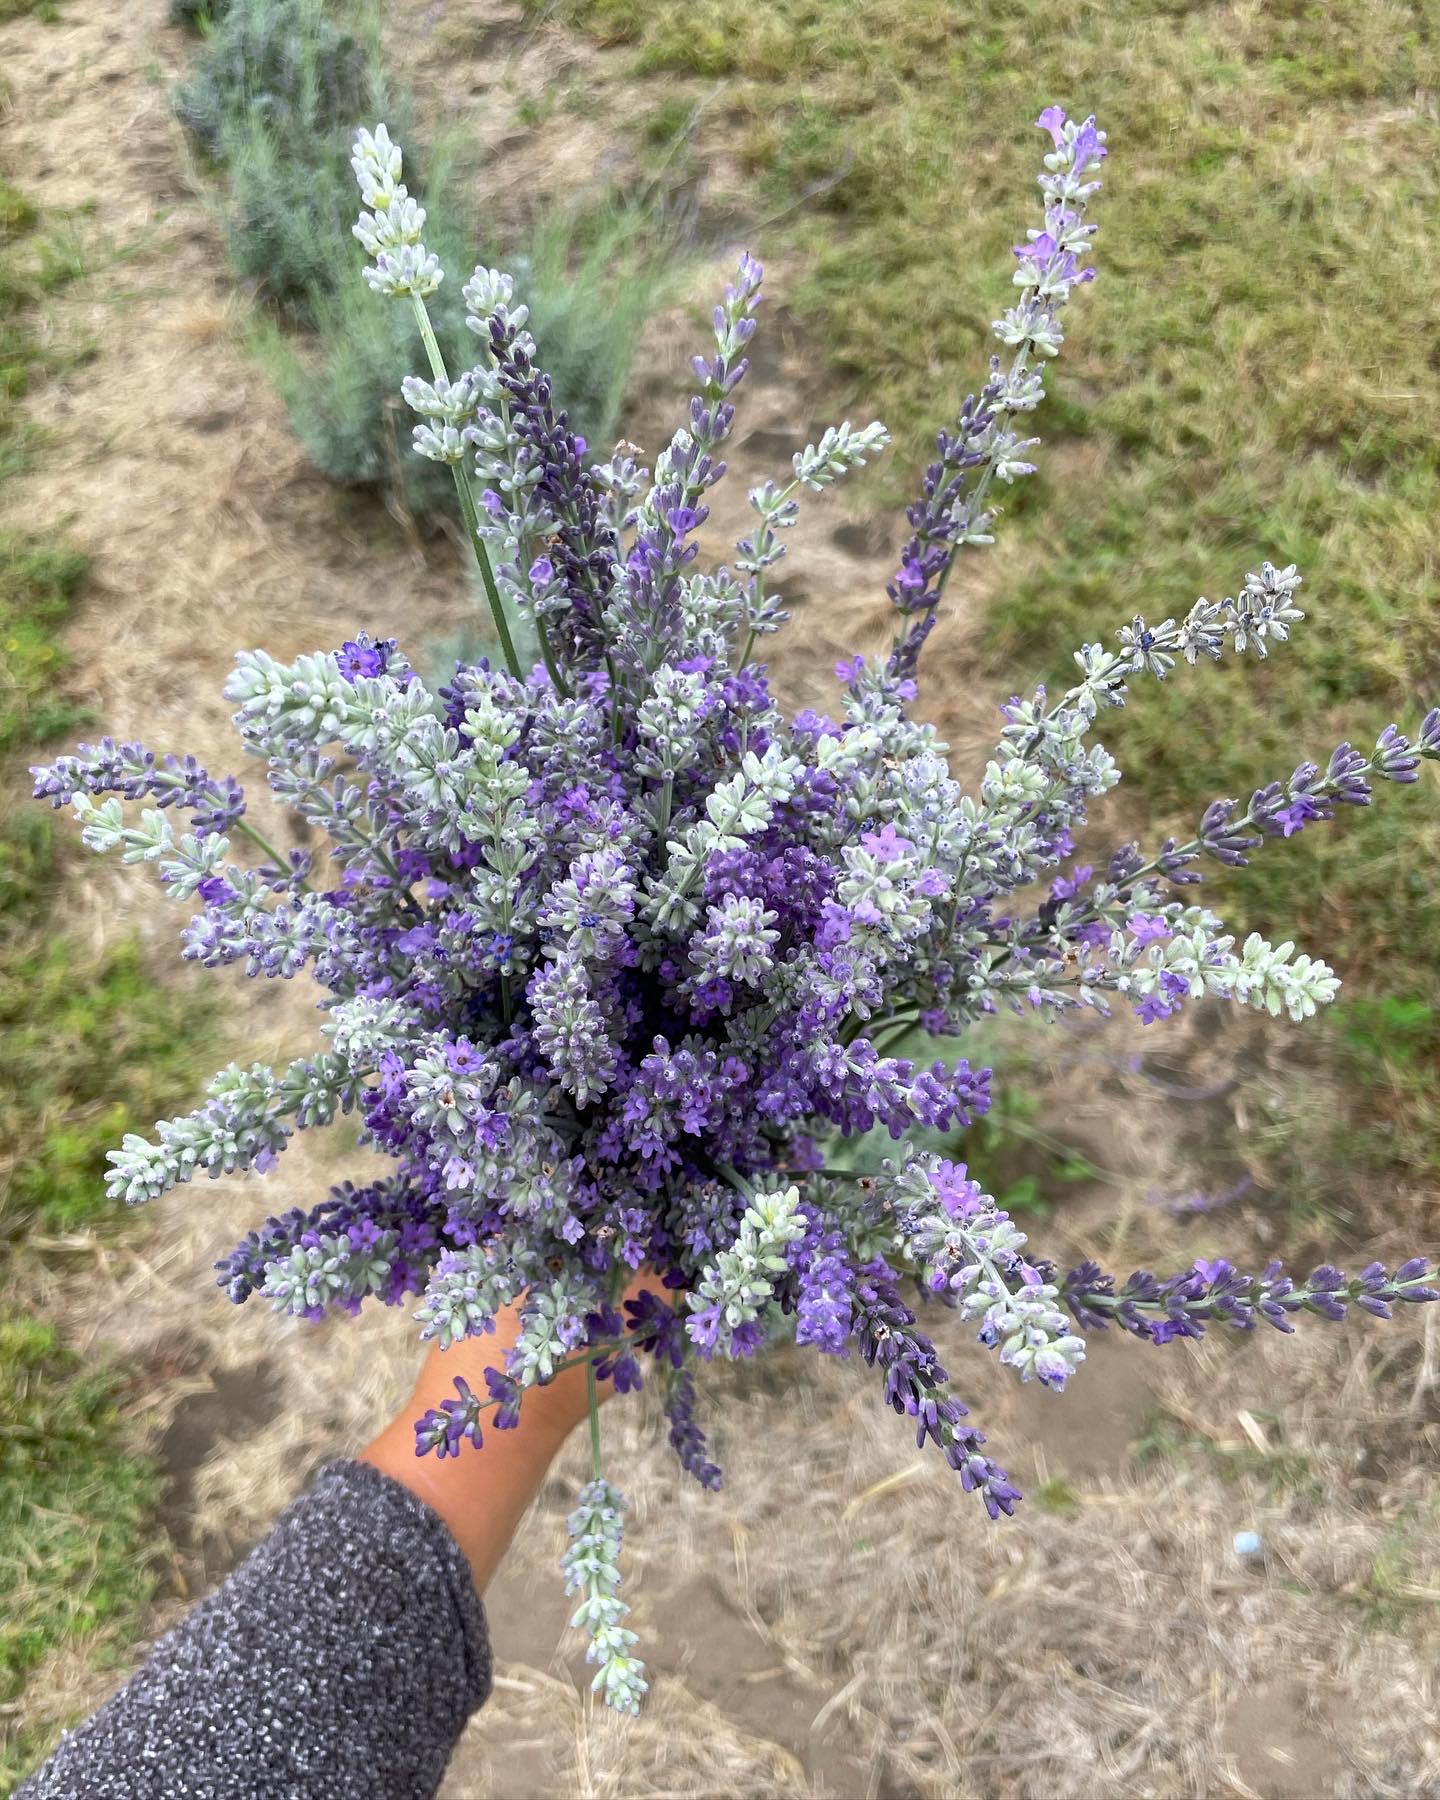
{"x":1180,"y":1306}
{"x":360,"y":656}
{"x":445,"y":1427}
{"x":686,"y":1437}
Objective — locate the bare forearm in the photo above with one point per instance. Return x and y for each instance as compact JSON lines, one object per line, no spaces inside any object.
{"x":481,"y":1494}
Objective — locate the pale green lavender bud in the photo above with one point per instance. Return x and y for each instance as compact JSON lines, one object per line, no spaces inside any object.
{"x":465,"y":1292}
{"x":1038,"y":327}
{"x":738,"y":943}
{"x":623,"y":479}
{"x":1272,"y":978}
{"x":382,"y":715}
{"x":410,"y":269}
{"x":102,"y":822}
{"x":735,"y":810}
{"x":314,"y":1089}
{"x":139,"y":1170}
{"x":669,"y":722}
{"x":968,"y":1248}
{"x":1264,"y":608}
{"x":490,"y":725}
{"x":241,"y":1125}
{"x":732,"y":1290}
{"x":773,"y":774}
{"x":552,"y":1325}
{"x":1006,"y":458}
{"x":592,"y":1569}
{"x":184,"y":862}
{"x":377,"y":163}
{"x":455,"y":402}
{"x":840,"y":449}
{"x":362,"y":1028}
{"x":400,"y":223}
{"x":1104,"y":673}
{"x":486,"y":293}
{"x":773,"y":506}
{"x":1023,"y":392}
{"x":442,"y":445}
{"x":1012,"y":783}
{"x":307,"y":700}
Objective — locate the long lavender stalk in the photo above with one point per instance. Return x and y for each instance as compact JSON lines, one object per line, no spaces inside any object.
{"x":983,"y":448}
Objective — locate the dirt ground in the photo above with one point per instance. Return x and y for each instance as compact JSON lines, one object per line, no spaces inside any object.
{"x":840,"y":1620}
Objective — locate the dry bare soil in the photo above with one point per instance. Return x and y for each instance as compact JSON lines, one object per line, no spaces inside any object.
{"x":840,"y":1620}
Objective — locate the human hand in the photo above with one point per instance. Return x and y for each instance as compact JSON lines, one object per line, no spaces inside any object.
{"x":482,"y":1494}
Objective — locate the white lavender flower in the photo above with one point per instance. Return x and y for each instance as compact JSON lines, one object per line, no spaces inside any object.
{"x":841,"y":448}
{"x":592,"y":1570}
{"x":969,"y":1251}
{"x":391,"y":231}
{"x":466,"y":1291}
{"x":732,"y":1290}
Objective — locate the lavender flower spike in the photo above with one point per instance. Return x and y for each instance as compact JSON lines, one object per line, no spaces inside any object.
{"x":592,"y":1570}
{"x":983,"y":448}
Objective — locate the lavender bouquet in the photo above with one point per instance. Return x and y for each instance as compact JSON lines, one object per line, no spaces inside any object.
{"x":613,"y":951}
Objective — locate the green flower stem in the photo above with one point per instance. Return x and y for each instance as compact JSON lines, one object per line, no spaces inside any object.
{"x":257,"y":836}
{"x":592,"y":1394}
{"x":552,"y":668}
{"x":468,"y":508}
{"x":781,"y":497}
{"x":667,"y":801}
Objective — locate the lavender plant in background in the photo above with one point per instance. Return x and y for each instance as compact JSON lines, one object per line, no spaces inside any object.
{"x":612,"y":951}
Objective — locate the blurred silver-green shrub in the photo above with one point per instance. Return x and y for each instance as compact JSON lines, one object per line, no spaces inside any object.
{"x":271,"y":104}
{"x":591,"y":277}
{"x":280,"y":62}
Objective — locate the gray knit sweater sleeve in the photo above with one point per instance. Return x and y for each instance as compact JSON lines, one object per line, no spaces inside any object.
{"x":342,"y":1658}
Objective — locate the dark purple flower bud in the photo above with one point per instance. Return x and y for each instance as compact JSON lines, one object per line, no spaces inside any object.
{"x":1225,"y":841}
{"x":686,"y":1437}
{"x":1345,"y":776}
{"x":1395,"y":758}
{"x":506,"y":1395}
{"x":445,"y":1427}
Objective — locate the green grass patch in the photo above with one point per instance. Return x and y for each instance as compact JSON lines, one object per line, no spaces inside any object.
{"x":1252,"y":375}
{"x":75,"y":1502}
{"x":1394,"y":1591}
{"x":39,"y":578}
{"x":198,"y":15}
{"x":35,"y":260}
{"x":90,"y":1047}
{"x":1056,"y":1494}
{"x":39,"y":573}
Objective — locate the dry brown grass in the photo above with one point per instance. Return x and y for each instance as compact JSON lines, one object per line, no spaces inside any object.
{"x":840,"y":1620}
